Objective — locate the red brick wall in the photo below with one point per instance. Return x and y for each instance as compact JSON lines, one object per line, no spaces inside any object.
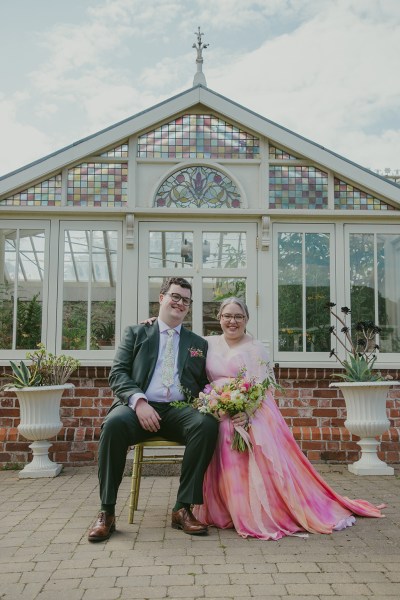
{"x":314,"y":412}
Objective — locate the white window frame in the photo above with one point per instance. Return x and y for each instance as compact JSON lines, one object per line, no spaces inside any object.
{"x":197,"y":272}
{"x":89,"y":356}
{"x":305,"y":357}
{"x":38,"y":224}
{"x":386,"y":359}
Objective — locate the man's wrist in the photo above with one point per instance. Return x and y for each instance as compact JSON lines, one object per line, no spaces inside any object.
{"x":134,"y":399}
{"x":141,"y":400}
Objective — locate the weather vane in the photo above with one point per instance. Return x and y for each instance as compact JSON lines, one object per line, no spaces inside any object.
{"x":199,"y":77}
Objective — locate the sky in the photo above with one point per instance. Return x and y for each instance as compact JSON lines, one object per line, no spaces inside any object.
{"x":325,"y":69}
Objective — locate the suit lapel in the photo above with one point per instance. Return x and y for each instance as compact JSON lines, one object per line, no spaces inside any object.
{"x":184,"y":345}
{"x":153,"y":336}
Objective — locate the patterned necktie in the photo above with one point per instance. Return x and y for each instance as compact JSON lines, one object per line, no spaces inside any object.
{"x":167,"y":375}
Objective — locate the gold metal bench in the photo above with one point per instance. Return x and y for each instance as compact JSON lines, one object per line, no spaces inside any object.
{"x":140,"y":459}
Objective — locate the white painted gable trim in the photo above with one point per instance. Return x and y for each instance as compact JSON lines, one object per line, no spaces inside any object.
{"x":183,"y":102}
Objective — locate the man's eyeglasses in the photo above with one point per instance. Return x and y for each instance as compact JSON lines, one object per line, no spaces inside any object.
{"x":237,"y":318}
{"x":177,"y":298}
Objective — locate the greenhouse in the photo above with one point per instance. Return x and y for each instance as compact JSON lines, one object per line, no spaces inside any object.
{"x":201,"y":187}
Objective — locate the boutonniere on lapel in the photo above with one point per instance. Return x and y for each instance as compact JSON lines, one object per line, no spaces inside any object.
{"x":196,"y":353}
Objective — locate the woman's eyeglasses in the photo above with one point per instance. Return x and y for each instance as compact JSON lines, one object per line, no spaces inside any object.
{"x":177,"y":298}
{"x":237,"y":318}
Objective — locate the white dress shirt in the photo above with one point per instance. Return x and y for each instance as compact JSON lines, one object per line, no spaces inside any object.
{"x":157,"y":392}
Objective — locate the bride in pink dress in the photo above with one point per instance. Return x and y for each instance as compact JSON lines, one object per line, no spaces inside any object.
{"x":271,"y":490}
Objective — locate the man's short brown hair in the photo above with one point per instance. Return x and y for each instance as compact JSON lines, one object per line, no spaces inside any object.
{"x":166,"y":284}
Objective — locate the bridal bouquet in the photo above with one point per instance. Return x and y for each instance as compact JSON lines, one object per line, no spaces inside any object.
{"x":241,"y":394}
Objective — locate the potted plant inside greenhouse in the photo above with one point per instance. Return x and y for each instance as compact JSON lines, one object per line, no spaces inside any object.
{"x":105,"y":335}
{"x":39,"y":387}
{"x":363,"y":387}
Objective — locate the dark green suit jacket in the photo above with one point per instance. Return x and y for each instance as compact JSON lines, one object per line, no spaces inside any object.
{"x":136,"y":358}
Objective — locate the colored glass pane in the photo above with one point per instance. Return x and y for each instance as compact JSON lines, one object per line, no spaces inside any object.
{"x":119,"y":152}
{"x":98,"y":184}
{"x":279,"y":154}
{"x":297,"y":187}
{"x":198,"y":136}
{"x":198,"y":186}
{"x":45,"y":193}
{"x":348,"y":197}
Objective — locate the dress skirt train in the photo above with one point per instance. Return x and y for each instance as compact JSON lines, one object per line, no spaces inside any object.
{"x":272,"y":490}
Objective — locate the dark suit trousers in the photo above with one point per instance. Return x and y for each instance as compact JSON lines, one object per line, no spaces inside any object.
{"x":121,"y":429}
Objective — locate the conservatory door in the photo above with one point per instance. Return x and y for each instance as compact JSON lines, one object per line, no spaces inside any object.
{"x":218,"y":259}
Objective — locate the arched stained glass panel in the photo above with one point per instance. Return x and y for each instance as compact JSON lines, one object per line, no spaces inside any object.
{"x":201,"y":187}
{"x":45,"y":193}
{"x":198,"y":136}
{"x":98,"y":184}
{"x":348,"y":197}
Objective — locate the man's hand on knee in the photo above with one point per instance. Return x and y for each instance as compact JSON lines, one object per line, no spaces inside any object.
{"x":149,"y":418}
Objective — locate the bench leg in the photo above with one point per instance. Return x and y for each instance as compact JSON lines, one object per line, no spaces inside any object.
{"x":139,"y":477}
{"x":135,"y":481}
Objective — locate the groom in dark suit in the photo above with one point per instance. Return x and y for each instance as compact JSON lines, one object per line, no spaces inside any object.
{"x":155,"y":365}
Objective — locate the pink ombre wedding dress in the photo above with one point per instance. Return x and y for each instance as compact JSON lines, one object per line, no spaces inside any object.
{"x":271,"y":490}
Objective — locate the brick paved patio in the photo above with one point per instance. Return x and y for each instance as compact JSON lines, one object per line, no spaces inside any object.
{"x":44,"y":553}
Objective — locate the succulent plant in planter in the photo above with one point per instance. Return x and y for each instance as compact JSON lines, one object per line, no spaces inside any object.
{"x":364,"y":389}
{"x":45,"y":368}
{"x":39,"y":387}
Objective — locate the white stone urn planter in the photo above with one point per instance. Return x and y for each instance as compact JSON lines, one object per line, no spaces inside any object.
{"x":367,"y":418}
{"x":40,"y":420}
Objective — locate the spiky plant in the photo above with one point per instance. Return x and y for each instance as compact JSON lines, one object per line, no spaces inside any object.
{"x":360,"y":348}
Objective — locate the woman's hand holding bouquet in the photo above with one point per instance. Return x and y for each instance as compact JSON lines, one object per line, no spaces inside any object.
{"x":240,"y":395}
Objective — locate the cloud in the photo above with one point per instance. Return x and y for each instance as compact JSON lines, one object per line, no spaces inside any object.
{"x":81,"y":70}
{"x":327,"y":70}
{"x":239,"y":14}
{"x":142,"y":18}
{"x":24,"y":143}
{"x":325,"y":81}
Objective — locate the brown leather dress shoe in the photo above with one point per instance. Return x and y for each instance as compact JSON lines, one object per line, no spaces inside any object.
{"x":103,"y":527}
{"x":185,"y":520}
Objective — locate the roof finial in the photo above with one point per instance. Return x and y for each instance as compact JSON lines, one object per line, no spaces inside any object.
{"x":199,"y":77}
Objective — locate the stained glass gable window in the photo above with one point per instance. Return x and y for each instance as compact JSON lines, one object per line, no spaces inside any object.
{"x":98,"y":184}
{"x":348,"y":197}
{"x":119,"y":152}
{"x":198,"y":136}
{"x":297,"y":187}
{"x":280,"y":154}
{"x":201,"y":187}
{"x":45,"y":193}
